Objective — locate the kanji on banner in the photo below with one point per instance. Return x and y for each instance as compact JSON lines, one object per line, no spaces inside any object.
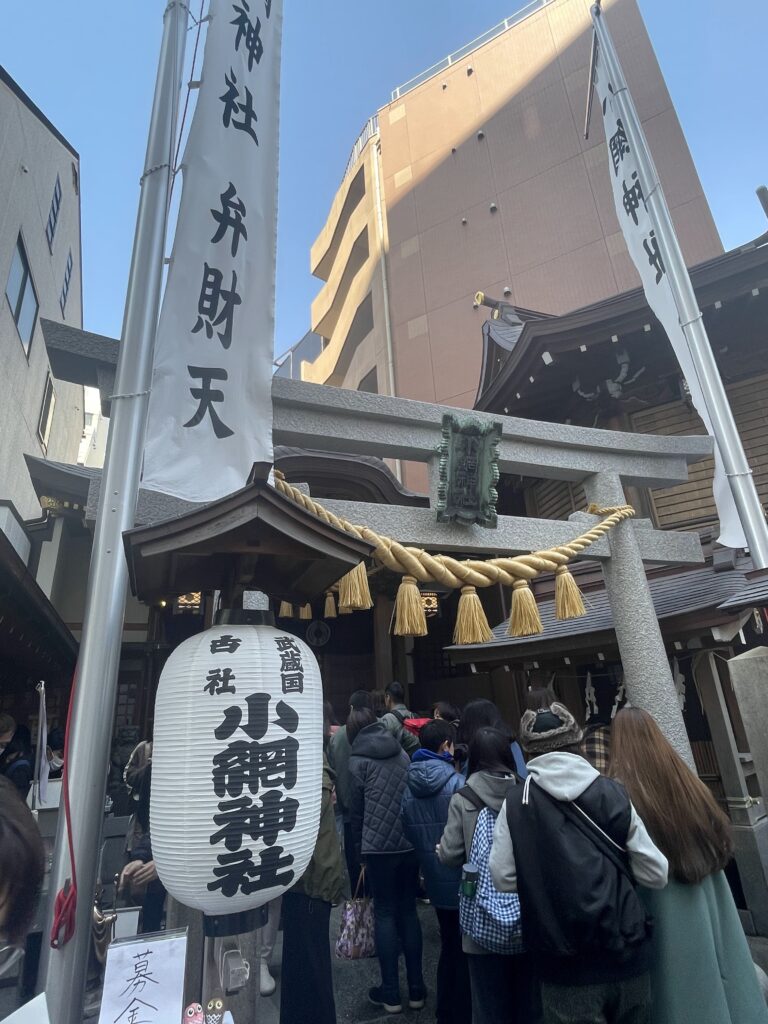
{"x":630,"y":191}
{"x":210,"y":412}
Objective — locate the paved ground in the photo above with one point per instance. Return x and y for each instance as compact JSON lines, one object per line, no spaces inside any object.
{"x":352,"y":979}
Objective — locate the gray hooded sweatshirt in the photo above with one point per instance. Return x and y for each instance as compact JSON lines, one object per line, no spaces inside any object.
{"x":456,"y":842}
{"x":566,"y":777}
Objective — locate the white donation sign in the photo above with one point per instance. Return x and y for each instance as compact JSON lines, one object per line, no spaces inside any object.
{"x":630,"y":191}
{"x":237,"y":763}
{"x":144,"y":979}
{"x":210,"y":411}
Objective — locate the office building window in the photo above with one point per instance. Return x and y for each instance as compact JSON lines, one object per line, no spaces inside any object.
{"x":65,"y":286}
{"x":53,"y":213}
{"x":46,"y":413}
{"x":21,"y":295}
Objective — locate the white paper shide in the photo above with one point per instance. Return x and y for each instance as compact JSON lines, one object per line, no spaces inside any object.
{"x":210,"y":413}
{"x":630,"y":192}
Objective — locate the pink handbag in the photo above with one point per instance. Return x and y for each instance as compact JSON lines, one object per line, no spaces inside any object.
{"x":356,"y":936}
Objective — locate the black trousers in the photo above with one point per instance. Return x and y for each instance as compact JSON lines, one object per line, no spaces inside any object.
{"x":504,"y":989}
{"x":454,"y":996}
{"x":394,"y":878}
{"x":306,"y":983}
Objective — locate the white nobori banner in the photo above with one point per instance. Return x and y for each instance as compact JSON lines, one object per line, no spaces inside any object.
{"x":210,"y":411}
{"x":647,"y":251}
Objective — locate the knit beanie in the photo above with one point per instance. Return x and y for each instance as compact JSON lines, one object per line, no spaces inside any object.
{"x":549,"y":729}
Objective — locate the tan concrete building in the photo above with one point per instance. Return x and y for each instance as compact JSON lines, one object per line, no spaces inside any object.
{"x":476,"y":176}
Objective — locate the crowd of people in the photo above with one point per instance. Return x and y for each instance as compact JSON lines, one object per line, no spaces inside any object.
{"x":563,"y":893}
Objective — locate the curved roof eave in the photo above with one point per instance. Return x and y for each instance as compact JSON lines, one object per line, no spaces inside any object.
{"x":620,"y":312}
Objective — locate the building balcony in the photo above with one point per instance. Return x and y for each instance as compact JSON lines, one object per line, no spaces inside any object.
{"x":352,"y":257}
{"x":354,"y":189}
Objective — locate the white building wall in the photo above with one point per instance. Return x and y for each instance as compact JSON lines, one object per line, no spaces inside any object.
{"x":31,"y":155}
{"x":93,"y":445}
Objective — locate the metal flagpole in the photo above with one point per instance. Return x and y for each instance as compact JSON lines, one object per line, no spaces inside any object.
{"x":723,"y":426}
{"x":92,"y":713}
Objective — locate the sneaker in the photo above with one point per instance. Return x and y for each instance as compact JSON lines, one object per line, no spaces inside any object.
{"x":267,"y":983}
{"x":417,"y":999}
{"x":376,"y":996}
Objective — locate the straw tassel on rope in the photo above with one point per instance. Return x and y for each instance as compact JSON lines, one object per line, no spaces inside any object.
{"x":354,"y":592}
{"x":471,"y":622}
{"x":569,"y":603}
{"x":419,"y":566}
{"x":524,"y":619}
{"x":329,"y":612}
{"x":305,"y":612}
{"x":286,"y":610}
{"x":410,"y":619}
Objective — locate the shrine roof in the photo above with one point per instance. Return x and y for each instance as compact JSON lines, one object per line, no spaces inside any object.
{"x":328,"y":474}
{"x":535,"y":352}
{"x":33,"y":636}
{"x":255,"y":538}
{"x":706,"y":594}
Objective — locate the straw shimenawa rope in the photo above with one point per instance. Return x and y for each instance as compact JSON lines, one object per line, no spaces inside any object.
{"x":418,"y":566}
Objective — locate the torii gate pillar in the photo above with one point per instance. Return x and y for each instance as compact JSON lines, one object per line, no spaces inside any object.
{"x":647,"y":674}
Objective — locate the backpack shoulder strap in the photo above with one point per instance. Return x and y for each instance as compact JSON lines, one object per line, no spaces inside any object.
{"x":616,"y":854}
{"x":468,"y":793}
{"x":399,"y":716}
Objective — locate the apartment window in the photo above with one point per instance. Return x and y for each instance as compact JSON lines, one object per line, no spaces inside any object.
{"x":46,"y":413}
{"x":21,"y":295}
{"x":53,"y":213}
{"x":89,"y":419}
{"x":65,"y":286}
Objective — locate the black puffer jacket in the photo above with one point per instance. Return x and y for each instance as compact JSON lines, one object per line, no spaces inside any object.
{"x":378,"y":770}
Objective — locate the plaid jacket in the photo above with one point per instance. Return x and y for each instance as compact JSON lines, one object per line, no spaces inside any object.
{"x":597,"y":746}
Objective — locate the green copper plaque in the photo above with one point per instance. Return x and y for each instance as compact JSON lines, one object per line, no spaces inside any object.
{"x":469,"y":472}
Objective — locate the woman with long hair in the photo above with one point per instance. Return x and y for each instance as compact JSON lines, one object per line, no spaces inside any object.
{"x":483,"y":714}
{"x":702,"y":970}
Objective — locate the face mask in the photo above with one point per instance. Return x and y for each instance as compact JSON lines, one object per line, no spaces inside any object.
{"x":56,"y":763}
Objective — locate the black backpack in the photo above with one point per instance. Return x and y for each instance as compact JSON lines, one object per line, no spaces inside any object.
{"x":577,"y":892}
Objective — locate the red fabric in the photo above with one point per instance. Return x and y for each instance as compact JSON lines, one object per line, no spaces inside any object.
{"x":415,"y":725}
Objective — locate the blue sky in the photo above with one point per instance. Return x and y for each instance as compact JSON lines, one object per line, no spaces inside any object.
{"x":90,"y":67}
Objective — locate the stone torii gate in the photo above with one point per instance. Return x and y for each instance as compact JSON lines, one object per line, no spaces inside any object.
{"x":603,"y":461}
{"x":320,"y":417}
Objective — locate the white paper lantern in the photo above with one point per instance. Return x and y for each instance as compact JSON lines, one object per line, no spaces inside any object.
{"x":236,"y":767}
